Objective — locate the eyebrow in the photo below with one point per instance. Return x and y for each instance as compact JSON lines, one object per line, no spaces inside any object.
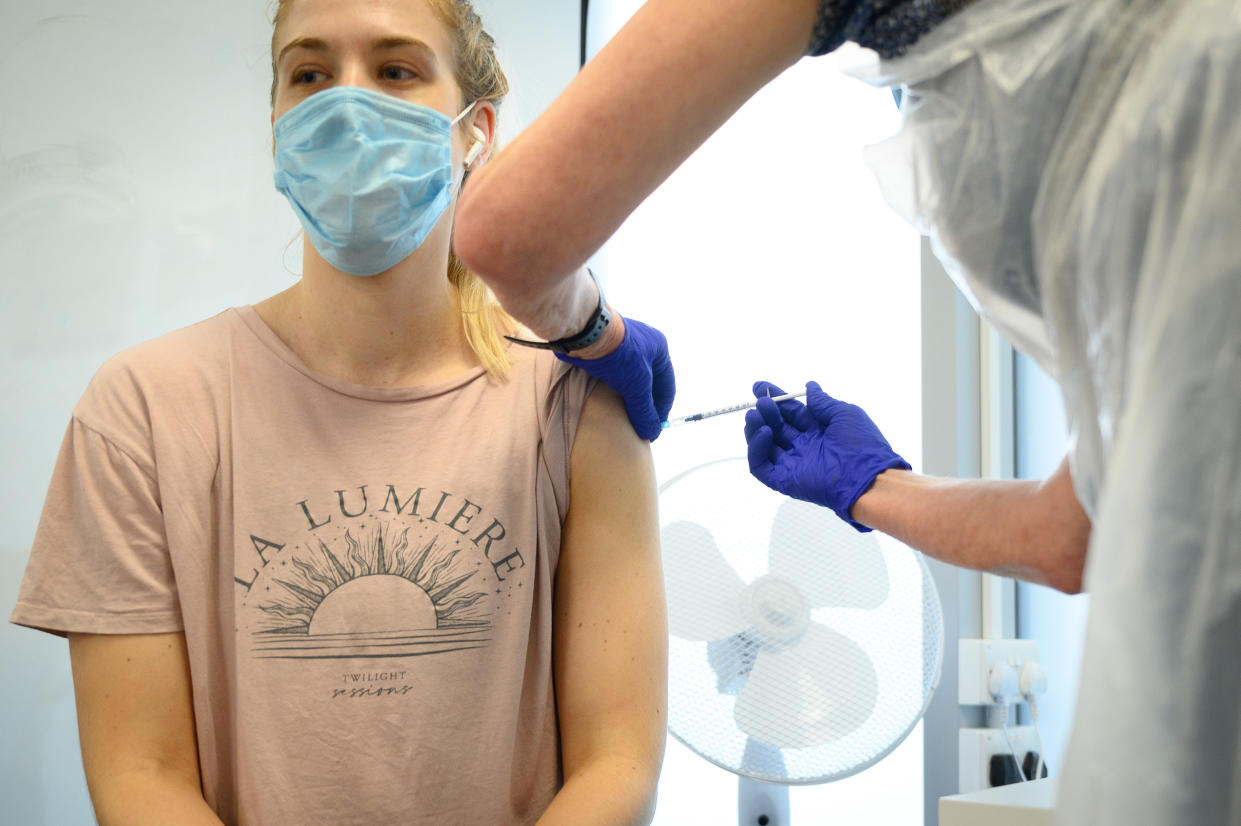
{"x":316,"y":44}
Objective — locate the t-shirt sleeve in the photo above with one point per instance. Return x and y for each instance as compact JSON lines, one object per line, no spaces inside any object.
{"x":100,"y":561}
{"x":562,"y":412}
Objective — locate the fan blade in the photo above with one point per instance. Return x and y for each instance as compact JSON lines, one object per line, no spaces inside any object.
{"x":817,"y":691}
{"x":732,"y":660}
{"x":762,"y":759}
{"x":704,"y":592}
{"x":832,"y":563}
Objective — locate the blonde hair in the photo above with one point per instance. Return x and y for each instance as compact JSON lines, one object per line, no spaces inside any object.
{"x":478,"y":74}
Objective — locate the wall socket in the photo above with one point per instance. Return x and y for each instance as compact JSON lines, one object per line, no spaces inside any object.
{"x":975,"y":659}
{"x":978,"y":745}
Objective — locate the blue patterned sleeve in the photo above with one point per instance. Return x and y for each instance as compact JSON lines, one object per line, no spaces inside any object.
{"x":889,"y":27}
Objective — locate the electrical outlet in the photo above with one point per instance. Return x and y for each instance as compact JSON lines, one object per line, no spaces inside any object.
{"x":979,"y":745}
{"x":975,"y":660}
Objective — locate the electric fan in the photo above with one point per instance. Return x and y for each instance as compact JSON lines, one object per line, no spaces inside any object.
{"x":800,"y":650}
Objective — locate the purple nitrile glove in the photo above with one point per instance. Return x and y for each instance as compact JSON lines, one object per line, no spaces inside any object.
{"x":824,"y":451}
{"x":641,"y":371}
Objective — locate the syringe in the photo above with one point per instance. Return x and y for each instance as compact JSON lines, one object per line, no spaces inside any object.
{"x":707,"y":414}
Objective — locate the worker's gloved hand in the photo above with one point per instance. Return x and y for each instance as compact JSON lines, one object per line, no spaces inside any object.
{"x":824,"y":451}
{"x":641,"y":371}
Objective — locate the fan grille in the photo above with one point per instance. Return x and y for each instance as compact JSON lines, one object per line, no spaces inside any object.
{"x":763,"y":687}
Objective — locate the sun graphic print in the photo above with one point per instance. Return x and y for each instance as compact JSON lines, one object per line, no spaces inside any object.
{"x":378,"y":595}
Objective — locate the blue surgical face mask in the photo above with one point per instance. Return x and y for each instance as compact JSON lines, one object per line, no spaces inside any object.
{"x":367,"y":174}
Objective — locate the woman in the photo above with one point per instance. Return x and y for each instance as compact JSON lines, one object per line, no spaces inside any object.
{"x":1076,"y":164}
{"x":323,"y":559}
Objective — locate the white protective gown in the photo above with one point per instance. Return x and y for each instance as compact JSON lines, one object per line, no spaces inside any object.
{"x":1077,"y":164}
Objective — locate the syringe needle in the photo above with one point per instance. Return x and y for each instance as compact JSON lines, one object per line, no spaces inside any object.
{"x":707,"y":414}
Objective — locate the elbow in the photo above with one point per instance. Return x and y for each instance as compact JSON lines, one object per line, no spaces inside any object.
{"x":646,"y":814}
{"x":1064,"y":530}
{"x":619,"y":784}
{"x":1074,"y":548}
{"x":1062,"y":554}
{"x":1075,"y":570}
{"x":1054,"y":555}
{"x":503,"y":242}
{"x":1070,"y":581}
{"x":636,"y":799}
{"x":1050,"y":557}
{"x":474,"y":241}
{"x":483,"y":238}
{"x":648,"y":771}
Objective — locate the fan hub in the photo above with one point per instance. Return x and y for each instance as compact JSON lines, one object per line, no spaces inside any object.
{"x":776,"y":609}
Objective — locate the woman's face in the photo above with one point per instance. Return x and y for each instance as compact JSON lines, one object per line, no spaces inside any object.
{"x":396,"y":47}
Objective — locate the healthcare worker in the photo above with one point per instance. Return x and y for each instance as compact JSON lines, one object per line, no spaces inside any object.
{"x":1077,"y":165}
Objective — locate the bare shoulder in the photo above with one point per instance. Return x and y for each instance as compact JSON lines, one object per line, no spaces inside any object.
{"x":605,"y":435}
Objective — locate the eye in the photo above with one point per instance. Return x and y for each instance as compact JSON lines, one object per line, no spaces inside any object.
{"x":306,"y":77}
{"x":397,"y":74}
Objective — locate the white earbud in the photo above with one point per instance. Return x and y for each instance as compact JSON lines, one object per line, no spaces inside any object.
{"x":476,"y":148}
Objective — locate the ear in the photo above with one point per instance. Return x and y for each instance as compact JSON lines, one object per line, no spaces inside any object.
{"x":481,"y":127}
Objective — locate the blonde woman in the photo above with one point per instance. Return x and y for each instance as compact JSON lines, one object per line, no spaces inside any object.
{"x":346,"y":556}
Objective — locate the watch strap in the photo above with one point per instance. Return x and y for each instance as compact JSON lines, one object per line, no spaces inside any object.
{"x":595,"y":325}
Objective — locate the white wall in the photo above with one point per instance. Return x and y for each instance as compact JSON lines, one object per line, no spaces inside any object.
{"x":135,"y":198}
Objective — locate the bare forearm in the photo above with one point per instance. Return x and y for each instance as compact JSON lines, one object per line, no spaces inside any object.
{"x":1032,"y":530}
{"x":562,"y":310}
{"x":551,"y":310}
{"x":610,"y":791}
{"x":136,"y":725}
{"x":150,"y":799}
{"x":963,"y":522}
{"x":670,"y":78}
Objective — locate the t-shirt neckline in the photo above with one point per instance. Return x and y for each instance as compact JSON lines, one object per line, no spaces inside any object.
{"x":255,"y":324}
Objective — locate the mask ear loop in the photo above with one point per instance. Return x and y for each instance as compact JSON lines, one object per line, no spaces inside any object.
{"x":464,"y":112}
{"x":480,"y":140}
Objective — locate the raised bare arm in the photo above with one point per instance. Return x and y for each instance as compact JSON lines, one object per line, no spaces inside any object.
{"x":530,"y":218}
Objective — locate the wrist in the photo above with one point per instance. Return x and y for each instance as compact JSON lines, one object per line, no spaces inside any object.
{"x":597,"y":329}
{"x":868,"y":508}
{"x":607,"y":343}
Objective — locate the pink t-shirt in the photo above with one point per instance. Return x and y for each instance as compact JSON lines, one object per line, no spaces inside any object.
{"x":364,"y":575}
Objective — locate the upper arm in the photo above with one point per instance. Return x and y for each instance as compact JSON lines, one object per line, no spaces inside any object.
{"x":610,"y":625}
{"x":653,"y":94}
{"x":135,"y":712}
